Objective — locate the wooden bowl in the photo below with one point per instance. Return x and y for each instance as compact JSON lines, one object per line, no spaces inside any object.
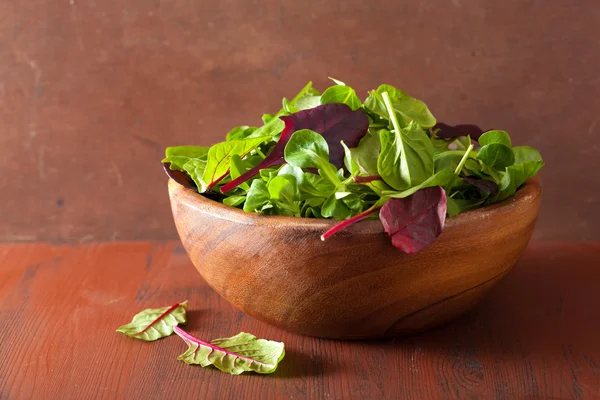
{"x":355,"y":284}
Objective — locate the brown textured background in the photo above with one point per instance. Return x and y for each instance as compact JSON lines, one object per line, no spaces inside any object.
{"x":92,"y":91}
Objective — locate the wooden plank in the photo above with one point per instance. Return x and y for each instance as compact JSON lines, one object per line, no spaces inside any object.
{"x":535,"y":335}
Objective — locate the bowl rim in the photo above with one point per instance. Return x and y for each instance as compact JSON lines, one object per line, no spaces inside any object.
{"x":527,"y":193}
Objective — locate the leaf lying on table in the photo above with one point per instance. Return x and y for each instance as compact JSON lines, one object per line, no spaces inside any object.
{"x":414,"y":222}
{"x":237,"y":354}
{"x":155,"y":323}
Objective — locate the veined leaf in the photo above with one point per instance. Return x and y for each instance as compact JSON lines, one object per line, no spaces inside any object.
{"x":409,"y":108}
{"x":341,"y":94}
{"x":415,"y":222}
{"x":155,"y":323}
{"x":335,"y":122}
{"x":219,"y":157}
{"x":237,"y":354}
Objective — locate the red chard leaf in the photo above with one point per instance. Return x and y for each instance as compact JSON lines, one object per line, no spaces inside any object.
{"x":414,"y":222}
{"x":484,"y":185}
{"x":335,"y":122}
{"x":179,"y":176}
{"x":446,"y":131}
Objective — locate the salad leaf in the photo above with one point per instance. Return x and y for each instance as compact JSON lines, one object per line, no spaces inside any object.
{"x":341,"y":94}
{"x":240,"y":353}
{"x":526,"y":153}
{"x":406,"y":157}
{"x":195,"y":169}
{"x":409,"y":108}
{"x":258,"y":196}
{"x":495,"y":136}
{"x":240,"y":132}
{"x":335,"y":122}
{"x":152,"y":324}
{"x":496,"y":155}
{"x":219,"y":157}
{"x":414,"y":222}
{"x":179,"y":155}
{"x":515,"y":176}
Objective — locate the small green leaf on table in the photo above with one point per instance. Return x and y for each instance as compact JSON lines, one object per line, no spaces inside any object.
{"x":155,"y":323}
{"x":240,"y":353}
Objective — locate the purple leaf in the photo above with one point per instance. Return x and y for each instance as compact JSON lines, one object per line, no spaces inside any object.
{"x":179,"y":176}
{"x":447,"y":131}
{"x":414,"y":222}
{"x":335,"y":121}
{"x":489,"y":187}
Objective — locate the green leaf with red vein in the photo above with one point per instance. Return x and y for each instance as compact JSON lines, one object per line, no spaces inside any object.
{"x":414,"y":222}
{"x":237,"y":354}
{"x":335,"y":122}
{"x":155,"y":323}
{"x":219,"y":157}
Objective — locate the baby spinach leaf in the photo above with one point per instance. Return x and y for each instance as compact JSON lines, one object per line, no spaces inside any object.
{"x":447,"y":160}
{"x":308,"y":149}
{"x":496,"y":155}
{"x":414,"y":222}
{"x":152,"y":324}
{"x":362,"y":159}
{"x":257,"y":197}
{"x":335,"y":122}
{"x":335,"y":208}
{"x":408,"y":107}
{"x":495,"y":136}
{"x":406,"y":157}
{"x":515,"y":176}
{"x":219,"y":157}
{"x":240,"y":353}
{"x":525,"y":153}
{"x":308,"y":102}
{"x":341,"y":94}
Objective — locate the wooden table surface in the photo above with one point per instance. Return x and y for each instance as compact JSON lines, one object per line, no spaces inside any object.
{"x":537,"y":334}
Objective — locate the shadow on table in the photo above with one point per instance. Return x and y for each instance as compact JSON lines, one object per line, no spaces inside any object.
{"x":548,"y":306}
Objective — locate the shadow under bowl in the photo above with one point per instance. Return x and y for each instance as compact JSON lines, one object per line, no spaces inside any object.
{"x":355,"y":285}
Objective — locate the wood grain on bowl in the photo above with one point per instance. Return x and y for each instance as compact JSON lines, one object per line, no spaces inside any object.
{"x":356,"y":284}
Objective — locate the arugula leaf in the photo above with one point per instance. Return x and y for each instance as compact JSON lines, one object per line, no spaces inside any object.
{"x":408,"y":107}
{"x":415,"y":222}
{"x":152,"y":324}
{"x":496,"y":155}
{"x":341,"y":94}
{"x":240,"y":353}
{"x":406,"y":157}
{"x":335,"y":122}
{"x":219,"y":157}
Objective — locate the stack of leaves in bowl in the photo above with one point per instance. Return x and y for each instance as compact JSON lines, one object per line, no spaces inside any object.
{"x":332,"y":155}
